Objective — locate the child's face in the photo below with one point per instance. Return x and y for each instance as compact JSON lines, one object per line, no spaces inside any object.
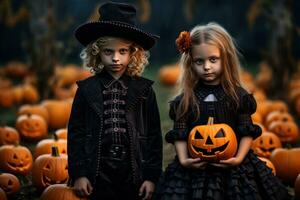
{"x":115,"y":56}
{"x":207,"y":63}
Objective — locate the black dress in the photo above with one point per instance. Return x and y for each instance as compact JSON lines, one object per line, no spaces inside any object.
{"x":250,"y":180}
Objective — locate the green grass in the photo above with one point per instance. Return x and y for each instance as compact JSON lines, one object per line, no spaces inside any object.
{"x":163,"y":95}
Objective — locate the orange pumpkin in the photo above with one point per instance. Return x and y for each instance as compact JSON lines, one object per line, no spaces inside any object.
{"x":257,"y":118}
{"x":16,"y":69}
{"x":265,"y":144}
{"x":34,"y":109}
{"x":32,"y":127}
{"x":9,"y":135}
{"x":66,"y":75}
{"x":269,"y":164}
{"x":59,"y":113}
{"x":2,"y":194}
{"x":287,"y":131}
{"x":286,"y":162}
{"x":6,"y":98}
{"x":49,"y":169}
{"x":278,"y":116}
{"x":62,"y":133}
{"x":212,"y":142}
{"x":297,"y":187}
{"x":9,"y":183}
{"x":278,"y":105}
{"x":65,"y":92}
{"x":5,"y":82}
{"x":59,"y":192}
{"x":44,"y":146}
{"x":169,"y":74}
{"x":30,"y":94}
{"x":263,"y":108}
{"x":18,"y":94}
{"x":259,"y":95}
{"x":15,"y":159}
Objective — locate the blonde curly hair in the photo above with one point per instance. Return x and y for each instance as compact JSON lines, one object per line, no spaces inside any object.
{"x":91,"y":56}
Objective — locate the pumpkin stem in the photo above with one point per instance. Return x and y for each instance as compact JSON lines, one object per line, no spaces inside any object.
{"x":16,"y":143}
{"x":210,"y":121}
{"x":288,"y":146}
{"x":55,"y":136}
{"x":54,"y":151}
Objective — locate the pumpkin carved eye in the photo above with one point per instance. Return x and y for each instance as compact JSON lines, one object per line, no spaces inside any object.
{"x":198,"y":135}
{"x":212,"y":142}
{"x":47,"y":166}
{"x":220,"y":134}
{"x":265,"y":144}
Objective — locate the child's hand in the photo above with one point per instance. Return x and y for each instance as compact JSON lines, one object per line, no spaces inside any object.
{"x":82,"y":187}
{"x":194,"y":163}
{"x":228,"y":163}
{"x":146,"y":190}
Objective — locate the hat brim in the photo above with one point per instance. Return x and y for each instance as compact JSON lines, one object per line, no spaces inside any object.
{"x":93,"y":30}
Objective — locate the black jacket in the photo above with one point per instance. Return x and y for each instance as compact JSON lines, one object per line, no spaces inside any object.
{"x":86,"y":126}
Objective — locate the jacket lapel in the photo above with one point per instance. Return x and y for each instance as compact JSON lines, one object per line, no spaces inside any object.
{"x":92,"y":90}
{"x":137,"y":87}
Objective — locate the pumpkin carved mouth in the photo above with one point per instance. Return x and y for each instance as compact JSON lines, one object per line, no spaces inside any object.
{"x":19,"y":167}
{"x":7,"y":189}
{"x":212,"y":151}
{"x":267,"y":149}
{"x":48,"y":181}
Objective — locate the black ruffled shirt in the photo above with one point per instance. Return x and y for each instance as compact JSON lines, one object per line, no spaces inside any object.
{"x":221,"y":107}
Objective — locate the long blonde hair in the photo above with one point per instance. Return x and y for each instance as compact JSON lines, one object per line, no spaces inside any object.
{"x":91,"y":56}
{"x":212,"y":34}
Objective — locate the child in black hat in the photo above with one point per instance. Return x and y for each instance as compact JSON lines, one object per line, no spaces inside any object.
{"x":114,"y":133}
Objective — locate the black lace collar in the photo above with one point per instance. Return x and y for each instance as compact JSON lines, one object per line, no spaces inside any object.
{"x":202,"y":91}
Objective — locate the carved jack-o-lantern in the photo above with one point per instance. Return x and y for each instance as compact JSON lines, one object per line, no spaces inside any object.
{"x":15,"y":159}
{"x":269,"y":164}
{"x":32,"y":127}
{"x":9,"y":183}
{"x":212,"y":142}
{"x":62,"y":133}
{"x":265,"y":144}
{"x":44,"y":146}
{"x":50,"y":169}
{"x":9,"y":135}
{"x":2,"y":194}
{"x":60,"y":192}
{"x":278,"y":116}
{"x":287,"y":131}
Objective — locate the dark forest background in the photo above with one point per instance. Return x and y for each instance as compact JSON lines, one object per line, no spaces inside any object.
{"x":163,"y":17}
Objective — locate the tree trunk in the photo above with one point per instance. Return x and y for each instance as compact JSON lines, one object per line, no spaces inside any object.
{"x":42,"y":50}
{"x":280,"y":50}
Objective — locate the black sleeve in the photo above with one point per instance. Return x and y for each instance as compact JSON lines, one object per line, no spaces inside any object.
{"x":76,"y":136}
{"x":153,"y":166}
{"x":245,"y":125}
{"x":179,"y":131}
